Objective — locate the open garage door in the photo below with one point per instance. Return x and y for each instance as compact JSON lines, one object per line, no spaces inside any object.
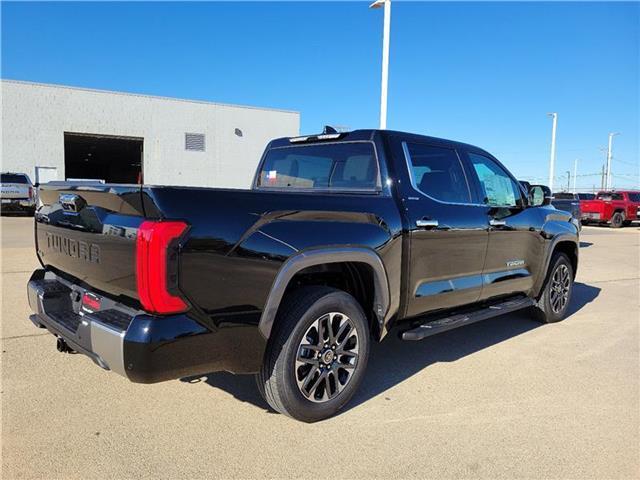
{"x":103,"y":157}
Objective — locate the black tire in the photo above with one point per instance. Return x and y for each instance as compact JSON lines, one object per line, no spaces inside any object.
{"x":302,"y":312}
{"x":617,"y":221}
{"x":546,"y":308}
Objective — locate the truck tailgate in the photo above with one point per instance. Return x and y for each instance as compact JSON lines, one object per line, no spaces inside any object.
{"x":21,"y":191}
{"x":89,"y":233}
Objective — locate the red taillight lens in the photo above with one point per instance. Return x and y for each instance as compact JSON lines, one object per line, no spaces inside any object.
{"x":30,"y":193}
{"x":153,"y":251}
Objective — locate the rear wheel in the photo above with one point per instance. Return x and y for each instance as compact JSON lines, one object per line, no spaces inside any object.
{"x":317,"y":354}
{"x":554,"y":301}
{"x":617,"y":220}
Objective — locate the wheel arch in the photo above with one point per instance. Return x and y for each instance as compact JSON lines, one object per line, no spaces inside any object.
{"x":570,"y":249}
{"x":360,"y":264}
{"x":567,"y":244}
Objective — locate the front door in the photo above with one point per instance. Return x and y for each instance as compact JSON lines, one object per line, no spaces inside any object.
{"x":447,"y":232}
{"x":516,"y":245}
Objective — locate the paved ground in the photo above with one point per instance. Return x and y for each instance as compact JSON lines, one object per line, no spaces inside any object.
{"x":501,"y":399}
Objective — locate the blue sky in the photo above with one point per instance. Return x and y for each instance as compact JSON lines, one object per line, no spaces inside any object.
{"x":483,"y":73}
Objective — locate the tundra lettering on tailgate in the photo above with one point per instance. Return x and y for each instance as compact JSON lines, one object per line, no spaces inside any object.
{"x":89,"y":252}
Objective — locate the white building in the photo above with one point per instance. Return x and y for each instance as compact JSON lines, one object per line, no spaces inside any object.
{"x":53,"y":132}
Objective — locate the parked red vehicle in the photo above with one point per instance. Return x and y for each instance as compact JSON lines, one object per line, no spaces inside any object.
{"x":617,"y":208}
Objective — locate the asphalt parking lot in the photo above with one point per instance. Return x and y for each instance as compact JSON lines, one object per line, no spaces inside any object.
{"x":503,"y":398}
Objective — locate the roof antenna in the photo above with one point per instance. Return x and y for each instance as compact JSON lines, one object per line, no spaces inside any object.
{"x":328,"y":129}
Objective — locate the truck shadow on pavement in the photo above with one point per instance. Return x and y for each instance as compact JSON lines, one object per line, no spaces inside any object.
{"x":393,"y":360}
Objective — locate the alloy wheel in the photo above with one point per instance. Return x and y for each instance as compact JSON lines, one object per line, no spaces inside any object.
{"x":560,"y":287}
{"x":327,"y":357}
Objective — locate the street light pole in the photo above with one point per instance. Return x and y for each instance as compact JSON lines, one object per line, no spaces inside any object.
{"x":609,"y":156}
{"x":385,"y":59}
{"x":575,"y":174}
{"x":552,"y":159}
{"x":568,"y":179}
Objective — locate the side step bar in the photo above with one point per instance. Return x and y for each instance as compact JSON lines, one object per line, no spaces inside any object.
{"x":433,"y":327}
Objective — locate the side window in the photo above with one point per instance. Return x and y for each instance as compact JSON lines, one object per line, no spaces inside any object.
{"x":498,"y":189}
{"x":437,"y":172}
{"x":634,"y":197}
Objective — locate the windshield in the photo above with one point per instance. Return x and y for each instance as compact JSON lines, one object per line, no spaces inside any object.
{"x":321,"y":166}
{"x":14,"y":178}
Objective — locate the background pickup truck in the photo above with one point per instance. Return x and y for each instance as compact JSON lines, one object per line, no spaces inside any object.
{"x":569,"y":202}
{"x":617,"y":208}
{"x":342,"y":236}
{"x":16,"y":193}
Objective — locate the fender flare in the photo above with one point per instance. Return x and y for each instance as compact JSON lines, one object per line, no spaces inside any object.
{"x":309,"y":258}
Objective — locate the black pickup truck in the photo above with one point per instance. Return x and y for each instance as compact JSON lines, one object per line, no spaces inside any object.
{"x":342,"y":237}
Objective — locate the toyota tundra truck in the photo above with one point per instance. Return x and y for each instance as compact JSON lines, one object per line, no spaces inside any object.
{"x":341,"y":238}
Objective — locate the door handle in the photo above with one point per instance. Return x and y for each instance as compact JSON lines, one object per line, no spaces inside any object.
{"x":494,"y":222}
{"x":426,"y":223}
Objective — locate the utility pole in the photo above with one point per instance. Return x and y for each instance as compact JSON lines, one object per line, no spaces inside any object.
{"x":385,"y":58}
{"x":552,"y":159}
{"x":575,"y":174}
{"x":609,"y":184}
{"x":568,"y":179}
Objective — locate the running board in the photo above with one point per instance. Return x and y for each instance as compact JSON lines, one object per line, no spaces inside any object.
{"x":440,"y":325}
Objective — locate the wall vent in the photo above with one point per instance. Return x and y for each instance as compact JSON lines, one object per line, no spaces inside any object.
{"x":194,"y":141}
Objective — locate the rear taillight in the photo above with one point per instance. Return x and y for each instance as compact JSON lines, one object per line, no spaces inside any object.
{"x":156,"y":266}
{"x":30,"y":193}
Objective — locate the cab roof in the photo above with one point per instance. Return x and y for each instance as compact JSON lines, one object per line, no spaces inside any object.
{"x":366,"y":135}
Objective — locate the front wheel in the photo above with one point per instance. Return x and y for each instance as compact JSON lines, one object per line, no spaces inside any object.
{"x":553,"y":304}
{"x":317,"y":354}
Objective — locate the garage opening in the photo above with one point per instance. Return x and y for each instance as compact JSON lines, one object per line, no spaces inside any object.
{"x":102,"y":157}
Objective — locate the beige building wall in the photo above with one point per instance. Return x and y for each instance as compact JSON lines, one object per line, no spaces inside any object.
{"x":36,"y":116}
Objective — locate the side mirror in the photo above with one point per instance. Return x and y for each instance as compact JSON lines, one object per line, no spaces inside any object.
{"x":539,"y":195}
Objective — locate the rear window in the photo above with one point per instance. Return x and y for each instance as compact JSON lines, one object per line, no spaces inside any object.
{"x":351,"y":166}
{"x":563,"y":196}
{"x":586,"y":196}
{"x":14,"y":178}
{"x":609,"y":196}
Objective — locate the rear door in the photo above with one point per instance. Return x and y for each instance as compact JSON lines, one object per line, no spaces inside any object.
{"x":516,"y":246}
{"x":634,"y":208}
{"x":447,"y":232}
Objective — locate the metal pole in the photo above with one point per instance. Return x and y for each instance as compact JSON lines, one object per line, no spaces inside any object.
{"x":552,"y":159}
{"x":385,"y":65}
{"x":575,"y":174}
{"x":568,"y":179}
{"x":609,"y":156}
